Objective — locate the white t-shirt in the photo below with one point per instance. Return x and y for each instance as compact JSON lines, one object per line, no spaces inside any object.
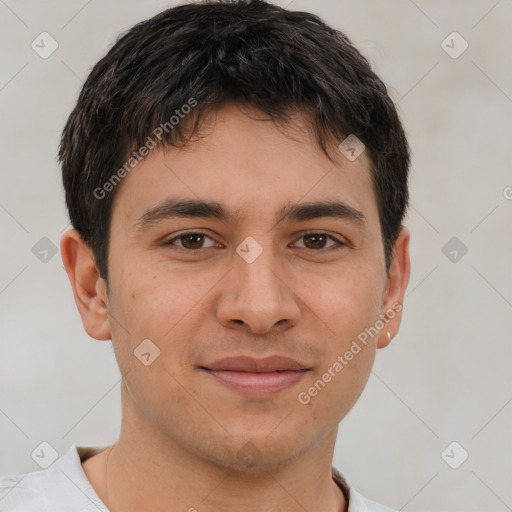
{"x":64,"y":487}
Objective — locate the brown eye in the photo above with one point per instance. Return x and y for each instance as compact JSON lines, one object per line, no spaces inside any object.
{"x":315,"y":241}
{"x":318,"y":241}
{"x":190,"y":241}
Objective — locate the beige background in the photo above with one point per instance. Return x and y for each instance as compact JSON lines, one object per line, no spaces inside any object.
{"x":446,"y":376}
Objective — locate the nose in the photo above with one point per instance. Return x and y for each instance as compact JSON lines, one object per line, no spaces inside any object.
{"x":258,"y":296}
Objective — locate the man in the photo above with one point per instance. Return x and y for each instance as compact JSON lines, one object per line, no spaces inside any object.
{"x":236,"y":176}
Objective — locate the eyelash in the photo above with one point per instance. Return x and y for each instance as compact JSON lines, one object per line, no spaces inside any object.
{"x":183,"y":235}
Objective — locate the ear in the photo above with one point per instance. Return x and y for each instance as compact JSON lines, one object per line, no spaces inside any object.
{"x":89,"y":289}
{"x":397,"y":281}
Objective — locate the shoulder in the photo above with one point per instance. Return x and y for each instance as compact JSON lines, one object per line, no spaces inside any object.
{"x":366,"y":505}
{"x":356,"y":501}
{"x":24,"y":492}
{"x":61,"y":487}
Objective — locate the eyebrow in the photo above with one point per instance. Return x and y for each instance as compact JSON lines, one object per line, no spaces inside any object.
{"x":292,"y":212}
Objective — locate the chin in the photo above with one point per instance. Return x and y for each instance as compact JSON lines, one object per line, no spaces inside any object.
{"x":258,"y":452}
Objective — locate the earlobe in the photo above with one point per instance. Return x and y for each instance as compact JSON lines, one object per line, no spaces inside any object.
{"x":397,"y":281}
{"x":386,"y":341}
{"x":89,"y":289}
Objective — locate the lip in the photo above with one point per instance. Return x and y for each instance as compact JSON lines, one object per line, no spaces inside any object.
{"x":257,"y":377}
{"x":255,"y":365}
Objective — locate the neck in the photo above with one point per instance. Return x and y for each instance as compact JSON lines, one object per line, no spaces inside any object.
{"x":145,"y":470}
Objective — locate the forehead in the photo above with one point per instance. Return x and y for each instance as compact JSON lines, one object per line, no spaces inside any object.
{"x":251,"y":167}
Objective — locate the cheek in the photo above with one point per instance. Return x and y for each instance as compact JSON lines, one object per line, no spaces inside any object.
{"x":332,"y":391}
{"x":159,"y":304}
{"x":153,"y":300}
{"x":347,"y":306}
{"x":345,"y":302}
{"x":146,"y":308}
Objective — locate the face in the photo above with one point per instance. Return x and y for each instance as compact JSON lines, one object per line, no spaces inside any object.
{"x":267,"y":278}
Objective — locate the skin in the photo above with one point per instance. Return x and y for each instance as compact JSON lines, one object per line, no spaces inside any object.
{"x":182,"y":430}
